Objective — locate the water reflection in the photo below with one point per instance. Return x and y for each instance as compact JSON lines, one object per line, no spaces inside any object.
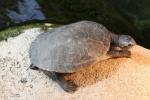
{"x":26,"y":10}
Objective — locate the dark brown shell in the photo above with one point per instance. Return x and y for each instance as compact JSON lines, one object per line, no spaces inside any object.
{"x":68,"y":48}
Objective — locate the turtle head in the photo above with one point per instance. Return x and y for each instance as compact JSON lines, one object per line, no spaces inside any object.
{"x":125,"y":41}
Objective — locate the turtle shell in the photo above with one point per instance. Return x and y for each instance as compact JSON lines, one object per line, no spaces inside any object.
{"x":69,"y":48}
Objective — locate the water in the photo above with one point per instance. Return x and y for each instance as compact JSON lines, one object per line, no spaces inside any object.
{"x":27,"y":10}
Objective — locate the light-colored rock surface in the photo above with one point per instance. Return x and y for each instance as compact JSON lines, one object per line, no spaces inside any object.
{"x":113,"y":79}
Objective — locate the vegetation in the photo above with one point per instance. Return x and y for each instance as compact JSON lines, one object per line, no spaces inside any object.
{"x":16,"y":30}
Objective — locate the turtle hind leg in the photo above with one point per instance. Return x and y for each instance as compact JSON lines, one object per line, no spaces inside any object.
{"x":33,"y":67}
{"x":68,"y":86}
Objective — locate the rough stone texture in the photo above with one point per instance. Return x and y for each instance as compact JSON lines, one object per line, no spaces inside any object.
{"x":114,"y":79}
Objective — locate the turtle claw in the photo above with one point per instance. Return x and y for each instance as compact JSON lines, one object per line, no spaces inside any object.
{"x":33,"y":67}
{"x":117,"y":54}
{"x":126,"y":54}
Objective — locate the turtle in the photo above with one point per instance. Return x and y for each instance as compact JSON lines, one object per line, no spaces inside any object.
{"x":68,"y":49}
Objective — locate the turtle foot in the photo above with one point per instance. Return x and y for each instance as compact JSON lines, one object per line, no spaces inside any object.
{"x":69,"y":86}
{"x":117,"y":54}
{"x":126,"y":54}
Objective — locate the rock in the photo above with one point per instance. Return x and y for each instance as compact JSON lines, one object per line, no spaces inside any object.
{"x":113,"y":79}
{"x":23,"y":80}
{"x":104,"y":70}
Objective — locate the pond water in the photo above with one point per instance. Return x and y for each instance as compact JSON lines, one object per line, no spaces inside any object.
{"x":26,"y":10}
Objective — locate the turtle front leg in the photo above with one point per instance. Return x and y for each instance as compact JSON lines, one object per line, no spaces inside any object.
{"x":118,"y":54}
{"x":68,"y":86}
